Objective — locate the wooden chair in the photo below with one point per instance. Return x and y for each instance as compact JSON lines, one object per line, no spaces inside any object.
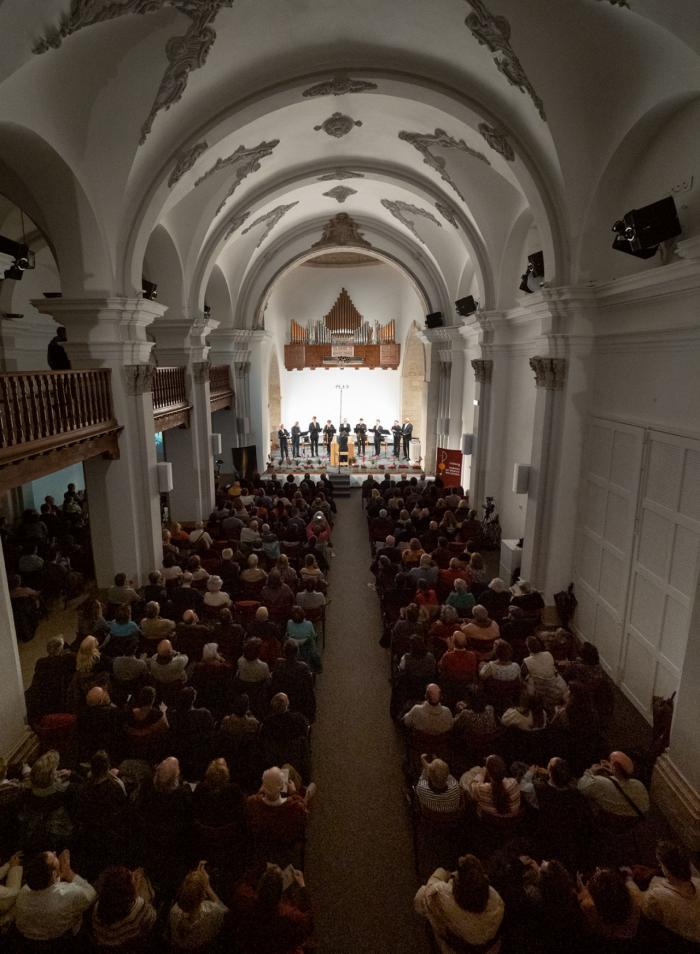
{"x":439,"y":745}
{"x":318,"y":616}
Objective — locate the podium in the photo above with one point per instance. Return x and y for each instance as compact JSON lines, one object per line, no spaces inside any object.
{"x":343,"y":459}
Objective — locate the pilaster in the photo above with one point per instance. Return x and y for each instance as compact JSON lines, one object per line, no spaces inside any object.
{"x":12,"y":707}
{"x":483,"y":374}
{"x":123,"y":494}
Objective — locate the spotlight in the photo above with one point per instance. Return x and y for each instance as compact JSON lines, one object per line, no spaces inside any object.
{"x":14,"y":272}
{"x":535,"y":270}
{"x":641,"y":231}
{"x":466,"y":306}
{"x":207,"y":309}
{"x":434,"y":320}
{"x":149,"y":290}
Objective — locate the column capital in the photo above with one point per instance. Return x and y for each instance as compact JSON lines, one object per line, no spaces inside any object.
{"x":236,"y":344}
{"x":483,"y":369}
{"x":138,"y":378}
{"x":200,"y":371}
{"x":549,"y":372}
{"x":183,"y":340}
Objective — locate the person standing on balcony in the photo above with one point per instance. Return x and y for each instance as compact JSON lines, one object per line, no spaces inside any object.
{"x":56,"y":355}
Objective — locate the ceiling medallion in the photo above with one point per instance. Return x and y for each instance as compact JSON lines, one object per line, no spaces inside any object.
{"x":235,"y":223}
{"x":340,"y":193}
{"x":270,"y":219}
{"x":496,"y":138}
{"x":493,"y":31}
{"x":338,"y":125}
{"x":426,"y":142}
{"x":340,"y":174}
{"x":245,"y":161}
{"x":447,"y":212}
{"x":185,"y":160}
{"x":341,"y":230}
{"x":400,"y":210}
{"x":338,"y":86}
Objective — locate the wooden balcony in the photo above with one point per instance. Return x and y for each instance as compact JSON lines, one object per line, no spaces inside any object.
{"x":51,"y":419}
{"x":220,"y":388}
{"x":170,"y":405}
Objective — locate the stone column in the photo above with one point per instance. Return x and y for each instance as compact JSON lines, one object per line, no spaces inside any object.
{"x":183,"y":343}
{"x":12,"y":708}
{"x":675,"y":785}
{"x":549,"y":380}
{"x":483,"y":373}
{"x":122,"y":494}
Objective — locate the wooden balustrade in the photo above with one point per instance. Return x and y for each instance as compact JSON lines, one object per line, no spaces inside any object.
{"x":49,"y":419}
{"x":169,"y":389}
{"x":220,"y":388}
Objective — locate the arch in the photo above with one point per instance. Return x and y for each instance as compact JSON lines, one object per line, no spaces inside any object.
{"x":162,"y":264}
{"x":35,"y":177}
{"x":218,"y":297}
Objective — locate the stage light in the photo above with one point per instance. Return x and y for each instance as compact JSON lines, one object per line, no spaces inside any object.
{"x":149,"y":290}
{"x":207,"y":310}
{"x":14,"y":272}
{"x":641,"y":231}
{"x":466,"y":306}
{"x":434,"y":320}
{"x":529,"y":280}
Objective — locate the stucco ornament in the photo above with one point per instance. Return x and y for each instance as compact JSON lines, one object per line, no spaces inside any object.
{"x":235,"y":223}
{"x":549,"y":372}
{"x":425,"y":143}
{"x":270,"y":220}
{"x":244,"y":161}
{"x":493,"y":31}
{"x":339,"y":86}
{"x":401,"y":210}
{"x":447,"y":212}
{"x":138,"y":378}
{"x":341,"y":230}
{"x":483,"y":370}
{"x":340,"y":193}
{"x":497,"y":139}
{"x":185,"y":160}
{"x":340,"y":174}
{"x":338,"y":125}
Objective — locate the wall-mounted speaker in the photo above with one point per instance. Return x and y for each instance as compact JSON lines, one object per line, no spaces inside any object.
{"x":165,"y":477}
{"x":521,"y":478}
{"x":433,"y":320}
{"x":467,"y":443}
{"x":215,"y":445}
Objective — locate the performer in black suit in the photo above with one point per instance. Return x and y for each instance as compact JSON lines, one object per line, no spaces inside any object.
{"x":396,"y":434}
{"x":283,"y":436}
{"x":296,"y":437}
{"x":361,"y":435}
{"x":314,"y":431}
{"x":407,"y":434}
{"x":378,"y":430}
{"x":328,"y":432}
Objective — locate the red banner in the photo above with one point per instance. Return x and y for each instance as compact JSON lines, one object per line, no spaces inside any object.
{"x":448,"y":467}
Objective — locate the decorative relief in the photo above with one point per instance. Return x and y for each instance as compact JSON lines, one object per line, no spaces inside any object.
{"x":401,"y":211}
{"x":338,"y":86}
{"x":245,"y":161}
{"x":340,"y":174}
{"x":235,"y":223}
{"x":549,"y":372}
{"x":200,"y":371}
{"x":184,"y":53}
{"x":342,"y":230}
{"x":426,"y":142}
{"x":270,"y":219}
{"x":338,"y":125}
{"x":340,"y":193}
{"x":496,"y":138}
{"x":493,"y":31}
{"x":447,"y":212}
{"x":138,"y":378}
{"x":483,"y":370}
{"x":185,"y":160}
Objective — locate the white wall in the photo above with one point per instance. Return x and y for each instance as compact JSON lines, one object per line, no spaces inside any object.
{"x":370,"y":394}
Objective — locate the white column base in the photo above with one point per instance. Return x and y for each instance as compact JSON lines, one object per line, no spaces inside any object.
{"x":678,"y":800}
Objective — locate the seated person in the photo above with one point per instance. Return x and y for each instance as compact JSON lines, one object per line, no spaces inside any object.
{"x":491,"y":790}
{"x":442,"y":629}
{"x":197,"y":917}
{"x":167,"y":667}
{"x":587,"y":670}
{"x":611,"y":788}
{"x":171,"y":570}
{"x":191,"y":635}
{"x":277,"y":812}
{"x":302,"y":631}
{"x":528,"y":716}
{"x":461,"y":598}
{"x":10,"y":884}
{"x":293,"y":677}
{"x":427,"y":599}
{"x":250,"y":538}
{"x":53,"y":899}
{"x":240,"y":722}
{"x":447,"y":577}
{"x":458,"y":664}
{"x":252,"y":669}
{"x":100,"y":724}
{"x":527,"y":599}
{"x":123,"y":915}
{"x":474,"y":719}
{"x":229,"y":571}
{"x":153,"y":626}
{"x":673,"y":899}
{"x":200,"y":575}
{"x":310,"y":598}
{"x":502,"y":668}
{"x":481,"y":632}
{"x":229,"y":635}
{"x":418,"y":664}
{"x":122,"y":629}
{"x":412,"y":554}
{"x":154,"y":591}
{"x":540,"y":673}
{"x":611,"y":904}
{"x":426,"y":570}
{"x":311,"y":570}
{"x":442,"y":554}
{"x":52,"y":676}
{"x":276,"y":595}
{"x":185,"y":597}
{"x":464,"y":911}
{"x":268,"y":917}
{"x":218,"y":802}
{"x":145,"y":724}
{"x":284,"y":735}
{"x":212,"y":678}
{"x":253,"y":574}
{"x":122,"y":592}
{"x":436,"y":789}
{"x":199,"y":538}
{"x":215,"y":598}
{"x":429,"y":717}
{"x":496,"y":598}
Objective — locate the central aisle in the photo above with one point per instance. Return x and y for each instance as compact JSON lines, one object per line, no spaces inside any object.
{"x":359,"y":859}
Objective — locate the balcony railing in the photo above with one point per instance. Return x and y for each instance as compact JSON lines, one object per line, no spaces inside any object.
{"x":170,"y":405}
{"x":220,"y":388}
{"x":49,"y":419}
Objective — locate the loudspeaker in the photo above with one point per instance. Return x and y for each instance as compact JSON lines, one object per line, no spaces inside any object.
{"x":466,"y":306}
{"x":535,"y":264}
{"x":433,"y":320}
{"x":521,"y":478}
{"x":165,"y":477}
{"x":215,"y":445}
{"x":642,"y":230}
{"x":467,"y":443}
{"x":245,"y":460}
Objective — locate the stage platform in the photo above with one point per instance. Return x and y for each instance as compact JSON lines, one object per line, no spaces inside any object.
{"x":357,"y":472}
